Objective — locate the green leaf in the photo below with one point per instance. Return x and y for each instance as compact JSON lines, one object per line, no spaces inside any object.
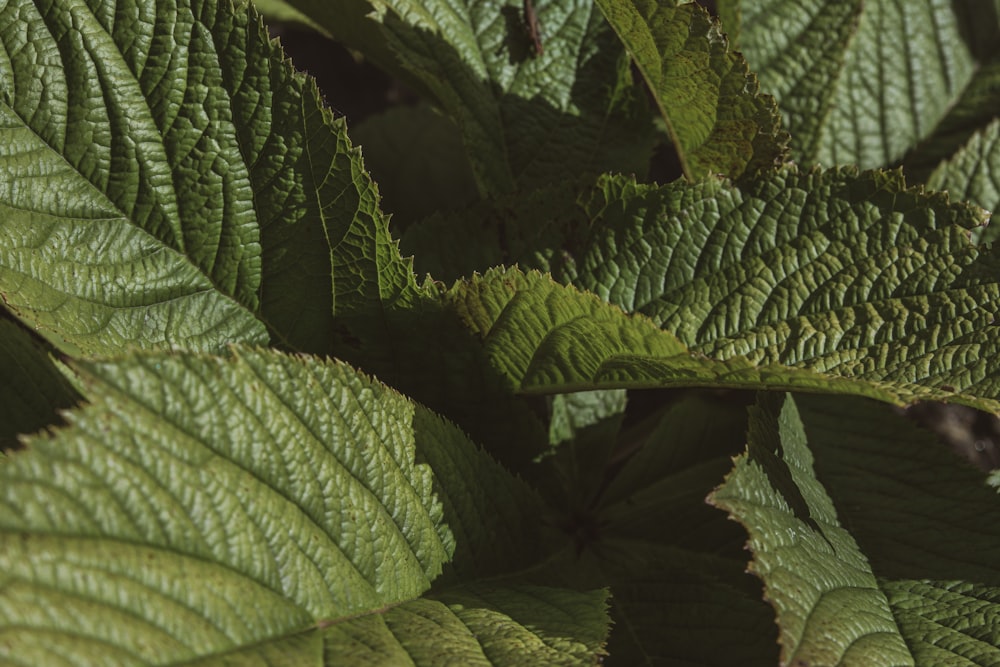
{"x":973,"y":174}
{"x":718,"y":122}
{"x":830,"y":609}
{"x":845,"y":74}
{"x":548,"y":338}
{"x":33,"y":390}
{"x":194,"y":207}
{"x":481,"y":625}
{"x":797,"y":50}
{"x":825,"y":270}
{"x":278,"y":11}
{"x":292,"y":498}
{"x":525,"y":119}
{"x":909,"y":501}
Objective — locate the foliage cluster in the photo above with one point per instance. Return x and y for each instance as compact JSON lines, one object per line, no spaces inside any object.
{"x":249,"y":419}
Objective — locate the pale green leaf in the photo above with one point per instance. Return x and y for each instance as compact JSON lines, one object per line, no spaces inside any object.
{"x":718,"y":122}
{"x":286,"y":487}
{"x":481,"y":626}
{"x":830,"y":608}
{"x":548,"y":338}
{"x":200,"y":184}
{"x":260,"y":506}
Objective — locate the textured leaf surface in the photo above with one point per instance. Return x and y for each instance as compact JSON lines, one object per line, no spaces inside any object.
{"x":291,"y":495}
{"x":973,"y":173}
{"x":842,"y":273}
{"x":200,"y":183}
{"x":478,"y":626}
{"x":200,"y":505}
{"x":717,"y":121}
{"x":864,"y":83}
{"x":830,"y":609}
{"x":797,"y":49}
{"x":32,"y":390}
{"x":923,"y":518}
{"x":549,"y":338}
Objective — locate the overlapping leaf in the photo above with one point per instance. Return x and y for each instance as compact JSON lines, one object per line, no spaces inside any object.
{"x":718,"y":122}
{"x":867,"y":83}
{"x":830,"y":609}
{"x":907,"y":503}
{"x":203,"y":505}
{"x":973,"y":173}
{"x":843,"y":273}
{"x":825,"y":273}
{"x":170,"y":181}
{"x":525,"y":119}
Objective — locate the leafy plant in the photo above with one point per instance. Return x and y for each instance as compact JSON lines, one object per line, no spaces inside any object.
{"x":201,"y":287}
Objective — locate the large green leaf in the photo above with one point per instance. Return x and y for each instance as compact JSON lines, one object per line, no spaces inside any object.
{"x":866,"y":82}
{"x":201,"y":183}
{"x":718,"y":122}
{"x":827,"y":281}
{"x":824,"y":273}
{"x":203,"y":505}
{"x":890,"y":521}
{"x":830,"y":608}
{"x":797,"y":49}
